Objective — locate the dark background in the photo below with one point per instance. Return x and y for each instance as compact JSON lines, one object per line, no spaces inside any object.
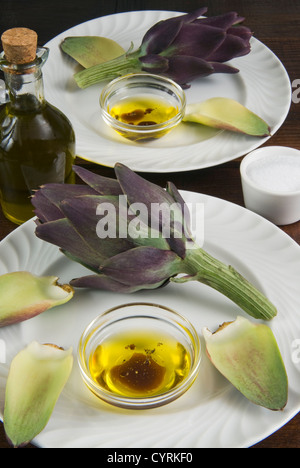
{"x":274,"y":22}
{"x":49,"y":18}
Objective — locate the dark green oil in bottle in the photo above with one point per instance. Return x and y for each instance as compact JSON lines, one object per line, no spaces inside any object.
{"x":36,"y":147}
{"x":37,"y":141}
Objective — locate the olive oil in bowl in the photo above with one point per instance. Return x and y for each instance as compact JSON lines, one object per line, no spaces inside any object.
{"x":143,"y":111}
{"x":140,"y":364}
{"x":139,"y":356}
{"x":142,"y":107}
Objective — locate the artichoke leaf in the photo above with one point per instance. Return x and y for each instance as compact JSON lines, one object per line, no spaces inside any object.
{"x":24,"y":295}
{"x":155,"y":199}
{"x":36,"y":378}
{"x":227,"y":114}
{"x":142,"y":266}
{"x":91,"y":50}
{"x":248,"y":356}
{"x":100,"y":184}
{"x":105,"y":283}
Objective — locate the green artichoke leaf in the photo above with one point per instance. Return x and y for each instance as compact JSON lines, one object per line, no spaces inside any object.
{"x":91,"y":50}
{"x":24,"y":296}
{"x":227,"y":114}
{"x":36,"y":378}
{"x":247,"y":355}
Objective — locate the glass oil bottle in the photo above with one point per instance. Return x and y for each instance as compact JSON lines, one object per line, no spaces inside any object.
{"x":37,"y":141}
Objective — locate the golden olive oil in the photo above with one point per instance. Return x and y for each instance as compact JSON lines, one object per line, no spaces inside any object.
{"x":36,"y":147}
{"x":143,"y":111}
{"x":139,"y":364}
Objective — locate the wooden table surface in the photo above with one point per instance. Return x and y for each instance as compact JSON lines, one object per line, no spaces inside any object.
{"x":274,"y":22}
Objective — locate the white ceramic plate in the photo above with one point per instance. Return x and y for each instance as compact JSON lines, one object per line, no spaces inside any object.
{"x":212,"y":413}
{"x":262,"y":85}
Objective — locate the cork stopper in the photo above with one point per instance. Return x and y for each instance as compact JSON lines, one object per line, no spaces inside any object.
{"x":19,"y":45}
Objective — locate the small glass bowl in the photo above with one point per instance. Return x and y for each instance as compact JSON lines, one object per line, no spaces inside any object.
{"x":149,"y":86}
{"x":134,"y":317}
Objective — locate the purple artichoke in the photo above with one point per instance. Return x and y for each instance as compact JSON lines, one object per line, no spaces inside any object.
{"x":182,"y":48}
{"x":93,"y":225}
{"x":185,"y":48}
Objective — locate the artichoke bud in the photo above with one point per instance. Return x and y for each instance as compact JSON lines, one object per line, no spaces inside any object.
{"x":153,"y":246}
{"x":248,"y":356}
{"x":182,"y":48}
{"x":24,"y":295}
{"x":36,"y":379}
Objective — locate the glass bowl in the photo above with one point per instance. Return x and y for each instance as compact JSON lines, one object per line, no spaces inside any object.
{"x":139,"y":356}
{"x":142,"y":106}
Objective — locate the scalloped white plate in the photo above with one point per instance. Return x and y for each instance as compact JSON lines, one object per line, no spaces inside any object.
{"x":262,"y":85}
{"x":212,"y":413}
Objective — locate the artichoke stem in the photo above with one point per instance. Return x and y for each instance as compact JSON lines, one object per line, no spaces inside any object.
{"x":127,"y":63}
{"x":225,"y":279}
